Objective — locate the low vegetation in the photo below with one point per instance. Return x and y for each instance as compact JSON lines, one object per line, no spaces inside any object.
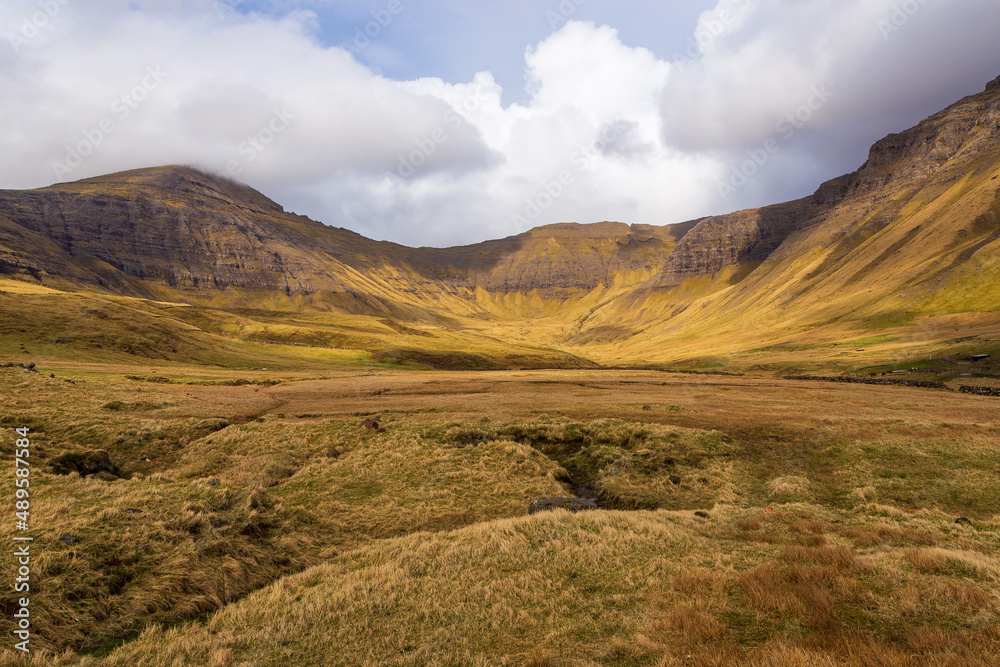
{"x":790,"y":587}
{"x":743,"y":521}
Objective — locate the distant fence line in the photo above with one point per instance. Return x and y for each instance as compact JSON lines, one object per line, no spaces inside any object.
{"x":980,"y":391}
{"x":923,"y":384}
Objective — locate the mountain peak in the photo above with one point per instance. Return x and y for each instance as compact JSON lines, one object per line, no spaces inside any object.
{"x":994,"y":84}
{"x":181,"y":179}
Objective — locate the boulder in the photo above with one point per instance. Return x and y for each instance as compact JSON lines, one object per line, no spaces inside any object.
{"x":372,"y":425}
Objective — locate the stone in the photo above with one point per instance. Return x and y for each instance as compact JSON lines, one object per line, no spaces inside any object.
{"x":213,"y":481}
{"x":647,"y":408}
{"x":333,"y":453}
{"x":69,"y":539}
{"x":674,"y":479}
{"x":570,"y":504}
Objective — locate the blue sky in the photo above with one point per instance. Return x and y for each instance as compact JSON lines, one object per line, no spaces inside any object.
{"x":467,"y":120}
{"x":454,"y":41}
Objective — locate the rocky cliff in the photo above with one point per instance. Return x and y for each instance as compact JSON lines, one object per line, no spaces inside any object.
{"x":189,"y":231}
{"x":172,"y":226}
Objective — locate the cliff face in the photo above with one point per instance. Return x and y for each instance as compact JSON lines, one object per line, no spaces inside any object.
{"x":726,"y":240}
{"x":747,"y":236}
{"x":559,"y":259}
{"x":187,"y":230}
{"x":192,"y":232}
{"x":915,"y":157}
{"x":176,"y":227}
{"x":939,"y":149}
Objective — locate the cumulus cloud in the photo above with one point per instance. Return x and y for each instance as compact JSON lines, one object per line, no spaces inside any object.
{"x":250,"y":96}
{"x":879,"y":66}
{"x":608,"y":131}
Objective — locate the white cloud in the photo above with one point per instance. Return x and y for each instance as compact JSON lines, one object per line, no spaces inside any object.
{"x":609,"y":131}
{"x":882,"y":65}
{"x":222,"y":84}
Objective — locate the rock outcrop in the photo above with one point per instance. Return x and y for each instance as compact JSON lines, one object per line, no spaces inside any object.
{"x":177,"y":227}
{"x":897,"y":165}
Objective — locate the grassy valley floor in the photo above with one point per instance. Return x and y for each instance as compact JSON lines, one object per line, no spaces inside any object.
{"x":196,"y":518}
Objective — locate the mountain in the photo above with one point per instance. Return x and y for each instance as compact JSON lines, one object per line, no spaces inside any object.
{"x":906,"y":247}
{"x":177,"y":228}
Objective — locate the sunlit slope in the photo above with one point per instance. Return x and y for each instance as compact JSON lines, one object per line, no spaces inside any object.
{"x":937,"y":257}
{"x":55,"y":328}
{"x":913,"y":244}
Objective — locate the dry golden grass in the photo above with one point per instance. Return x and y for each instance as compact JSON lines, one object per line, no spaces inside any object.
{"x":790,"y":488}
{"x":410,"y":547}
{"x":600,"y":587}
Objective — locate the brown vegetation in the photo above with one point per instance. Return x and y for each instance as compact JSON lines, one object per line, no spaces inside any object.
{"x":279,"y":490}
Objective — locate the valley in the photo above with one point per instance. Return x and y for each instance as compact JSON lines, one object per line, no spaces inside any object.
{"x":744,"y":520}
{"x":260,"y":440}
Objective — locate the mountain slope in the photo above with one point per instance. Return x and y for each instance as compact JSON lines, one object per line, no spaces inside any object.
{"x":906,"y":249}
{"x":911,"y":236}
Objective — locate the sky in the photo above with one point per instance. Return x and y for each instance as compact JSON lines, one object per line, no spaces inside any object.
{"x":445,"y":122}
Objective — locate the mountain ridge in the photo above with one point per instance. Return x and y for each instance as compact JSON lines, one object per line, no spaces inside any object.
{"x":921,"y":217}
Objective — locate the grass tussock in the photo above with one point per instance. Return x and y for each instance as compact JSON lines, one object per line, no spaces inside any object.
{"x":600,"y":587}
